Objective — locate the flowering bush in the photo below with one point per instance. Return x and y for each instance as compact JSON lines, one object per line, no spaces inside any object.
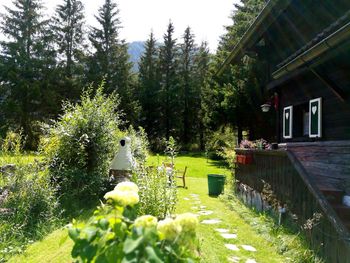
{"x":260,"y":144}
{"x":114,"y":234}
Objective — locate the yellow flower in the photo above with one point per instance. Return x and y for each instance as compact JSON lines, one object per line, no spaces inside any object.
{"x":123,"y":198}
{"x":187,"y":221}
{"x":146,"y":221}
{"x":127,"y":186}
{"x":169,"y":228}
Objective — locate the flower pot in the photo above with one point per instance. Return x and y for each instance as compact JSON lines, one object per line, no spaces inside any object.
{"x":244,"y":159}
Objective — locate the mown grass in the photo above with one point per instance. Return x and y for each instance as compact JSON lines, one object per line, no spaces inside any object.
{"x":198,"y":165}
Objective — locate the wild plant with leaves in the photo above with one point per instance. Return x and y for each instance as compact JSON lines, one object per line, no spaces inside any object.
{"x":116,"y":234}
{"x":81,"y":144}
{"x":158,"y":192}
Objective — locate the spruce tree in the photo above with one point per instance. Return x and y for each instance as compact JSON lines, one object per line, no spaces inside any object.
{"x":239,"y":84}
{"x":170,"y":96}
{"x":189,"y":93}
{"x":202,"y":89}
{"x":28,"y":65}
{"x":110,"y":60}
{"x":149,"y":88}
{"x":69,"y":37}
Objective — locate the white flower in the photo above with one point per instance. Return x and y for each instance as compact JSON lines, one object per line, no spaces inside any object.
{"x":146,"y":221}
{"x":127,"y":186}
{"x":169,"y":228}
{"x":187,"y":221}
{"x":123,"y":198}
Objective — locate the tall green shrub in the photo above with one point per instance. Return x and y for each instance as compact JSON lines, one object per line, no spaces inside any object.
{"x":81,"y":144}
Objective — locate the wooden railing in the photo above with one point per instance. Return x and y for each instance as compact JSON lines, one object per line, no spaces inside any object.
{"x":286,"y":179}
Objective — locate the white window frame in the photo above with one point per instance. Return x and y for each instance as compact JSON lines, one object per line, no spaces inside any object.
{"x":319,"y":134}
{"x":290,"y":108}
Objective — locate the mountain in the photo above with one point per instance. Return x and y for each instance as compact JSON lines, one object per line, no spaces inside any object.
{"x":135,"y":50}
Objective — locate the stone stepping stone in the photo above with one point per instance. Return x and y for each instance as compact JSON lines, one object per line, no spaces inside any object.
{"x":221,"y":230}
{"x":197,"y":202}
{"x":250,"y":261}
{"x":194,"y":208}
{"x":194,"y":195}
{"x":211,"y":221}
{"x":233,"y":259}
{"x":186,"y":198}
{"x":249,"y":248}
{"x":205,"y":213}
{"x":232,"y":247}
{"x":229,"y":236}
{"x":202,"y":207}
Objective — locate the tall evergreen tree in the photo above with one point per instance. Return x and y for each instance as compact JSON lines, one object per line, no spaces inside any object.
{"x":202,"y":77}
{"x":168,"y":67}
{"x":238,"y":84}
{"x":110,"y":61}
{"x":69,"y":37}
{"x":27,"y":68}
{"x":189,"y":93}
{"x":149,"y":88}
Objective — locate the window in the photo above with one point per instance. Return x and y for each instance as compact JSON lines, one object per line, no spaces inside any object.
{"x":315,"y":118}
{"x":288,"y":122}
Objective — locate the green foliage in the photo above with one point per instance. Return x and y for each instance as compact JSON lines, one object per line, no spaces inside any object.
{"x":80,"y":145}
{"x":158,"y":192}
{"x":27,"y":67}
{"x":28,"y":207}
{"x":13,"y":142}
{"x":114,"y":234}
{"x":110,"y":59}
{"x":221,"y":144}
{"x":171,"y":149}
{"x":139,"y":143}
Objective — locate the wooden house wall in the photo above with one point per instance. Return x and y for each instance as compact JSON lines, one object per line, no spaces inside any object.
{"x":335,"y":112}
{"x":299,"y":24}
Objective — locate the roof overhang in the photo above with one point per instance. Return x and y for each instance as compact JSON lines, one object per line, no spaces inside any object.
{"x":267,"y":16}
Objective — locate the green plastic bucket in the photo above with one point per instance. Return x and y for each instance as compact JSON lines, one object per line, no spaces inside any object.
{"x":216,"y":184}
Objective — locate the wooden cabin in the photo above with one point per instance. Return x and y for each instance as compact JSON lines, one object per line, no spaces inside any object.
{"x":306,"y":45}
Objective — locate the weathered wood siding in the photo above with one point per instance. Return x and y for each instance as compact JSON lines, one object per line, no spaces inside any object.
{"x":328,"y":238}
{"x":335,"y":112}
{"x":327,"y":163}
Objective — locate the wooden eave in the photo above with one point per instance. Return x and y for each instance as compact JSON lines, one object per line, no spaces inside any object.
{"x":267,"y":16}
{"x":322,"y":43}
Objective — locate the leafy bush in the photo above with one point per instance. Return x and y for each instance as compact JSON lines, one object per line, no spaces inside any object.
{"x":13,"y":142}
{"x":219,"y":142}
{"x":139,"y":143}
{"x":114,"y":234}
{"x":81,"y":144}
{"x":28,"y":207}
{"x":158,"y":192}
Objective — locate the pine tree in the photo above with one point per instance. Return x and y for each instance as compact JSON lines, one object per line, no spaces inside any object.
{"x":239,"y":83}
{"x":69,"y":37}
{"x":190,"y":96}
{"x":201,"y":78}
{"x":28,"y":65}
{"x":110,"y":61}
{"x":168,"y":68}
{"x":149,"y":88}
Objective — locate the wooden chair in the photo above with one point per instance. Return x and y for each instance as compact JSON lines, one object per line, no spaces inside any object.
{"x":182,"y":175}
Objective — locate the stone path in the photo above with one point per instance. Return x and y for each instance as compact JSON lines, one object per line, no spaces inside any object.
{"x":223,"y":232}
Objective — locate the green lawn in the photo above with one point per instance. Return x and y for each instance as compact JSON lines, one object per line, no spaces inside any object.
{"x":198,"y":165}
{"x":56,"y":247}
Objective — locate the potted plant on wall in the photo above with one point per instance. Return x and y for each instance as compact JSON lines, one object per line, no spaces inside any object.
{"x":246,"y":158}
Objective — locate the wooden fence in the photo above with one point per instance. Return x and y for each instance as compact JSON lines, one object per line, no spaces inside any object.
{"x":278,"y":175}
